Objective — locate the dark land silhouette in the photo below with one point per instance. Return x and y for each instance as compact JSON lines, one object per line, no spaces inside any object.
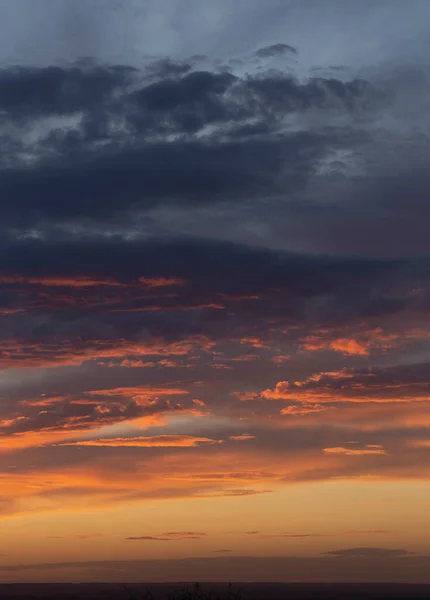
{"x":207,"y":591}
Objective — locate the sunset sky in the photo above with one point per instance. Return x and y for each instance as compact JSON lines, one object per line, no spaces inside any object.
{"x":214,"y":290}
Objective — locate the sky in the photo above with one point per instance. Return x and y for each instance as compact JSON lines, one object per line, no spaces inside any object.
{"x":214,"y":290}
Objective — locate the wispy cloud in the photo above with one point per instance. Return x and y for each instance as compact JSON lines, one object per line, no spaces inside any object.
{"x":169,"y":537}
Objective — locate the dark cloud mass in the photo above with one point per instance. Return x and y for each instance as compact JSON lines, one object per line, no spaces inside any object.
{"x":30,"y":92}
{"x":274,"y":50}
{"x":184,"y":139}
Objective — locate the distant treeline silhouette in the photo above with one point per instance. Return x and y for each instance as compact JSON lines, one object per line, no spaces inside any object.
{"x":194,"y":591}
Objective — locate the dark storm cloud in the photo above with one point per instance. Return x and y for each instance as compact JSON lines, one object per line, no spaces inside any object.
{"x":119,"y":144}
{"x":191,"y":89}
{"x":287,"y":95}
{"x":184,"y":173}
{"x":279,"y":154}
{"x":197,"y":258}
{"x":29,"y":92}
{"x":165,"y":86}
{"x":275,"y":50}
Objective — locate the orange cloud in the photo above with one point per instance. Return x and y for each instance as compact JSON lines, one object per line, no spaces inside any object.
{"x":344,"y":345}
{"x":88,"y":282}
{"x":169,"y":537}
{"x":362,"y":342}
{"x":420,"y":444}
{"x":216,"y":470}
{"x":139,"y":393}
{"x":378,"y":385}
{"x":144,"y":405}
{"x":16,"y":353}
{"x":96,"y":483}
{"x":173,"y":307}
{"x":11,"y":311}
{"x":228,"y":476}
{"x":9,"y":423}
{"x":73,"y":282}
{"x":136,"y":364}
{"x":368,"y":449}
{"x":293,"y":535}
{"x":70,"y":427}
{"x":246,"y":396}
{"x":281,"y":359}
{"x":235,"y":492}
{"x":159,"y":441}
{"x":254,"y":342}
{"x":198,"y":402}
{"x":367,"y":531}
{"x":160,"y":282}
{"x":244,"y":357}
{"x":305,"y":409}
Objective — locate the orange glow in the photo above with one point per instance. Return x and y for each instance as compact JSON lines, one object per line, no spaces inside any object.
{"x":76,"y":352}
{"x":363,"y":342}
{"x":88,"y":282}
{"x":73,"y":282}
{"x":346,"y":346}
{"x":368,"y":450}
{"x":160,"y":282}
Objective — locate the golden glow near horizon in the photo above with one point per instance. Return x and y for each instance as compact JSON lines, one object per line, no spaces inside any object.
{"x":331,"y":462}
{"x":305,"y":520}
